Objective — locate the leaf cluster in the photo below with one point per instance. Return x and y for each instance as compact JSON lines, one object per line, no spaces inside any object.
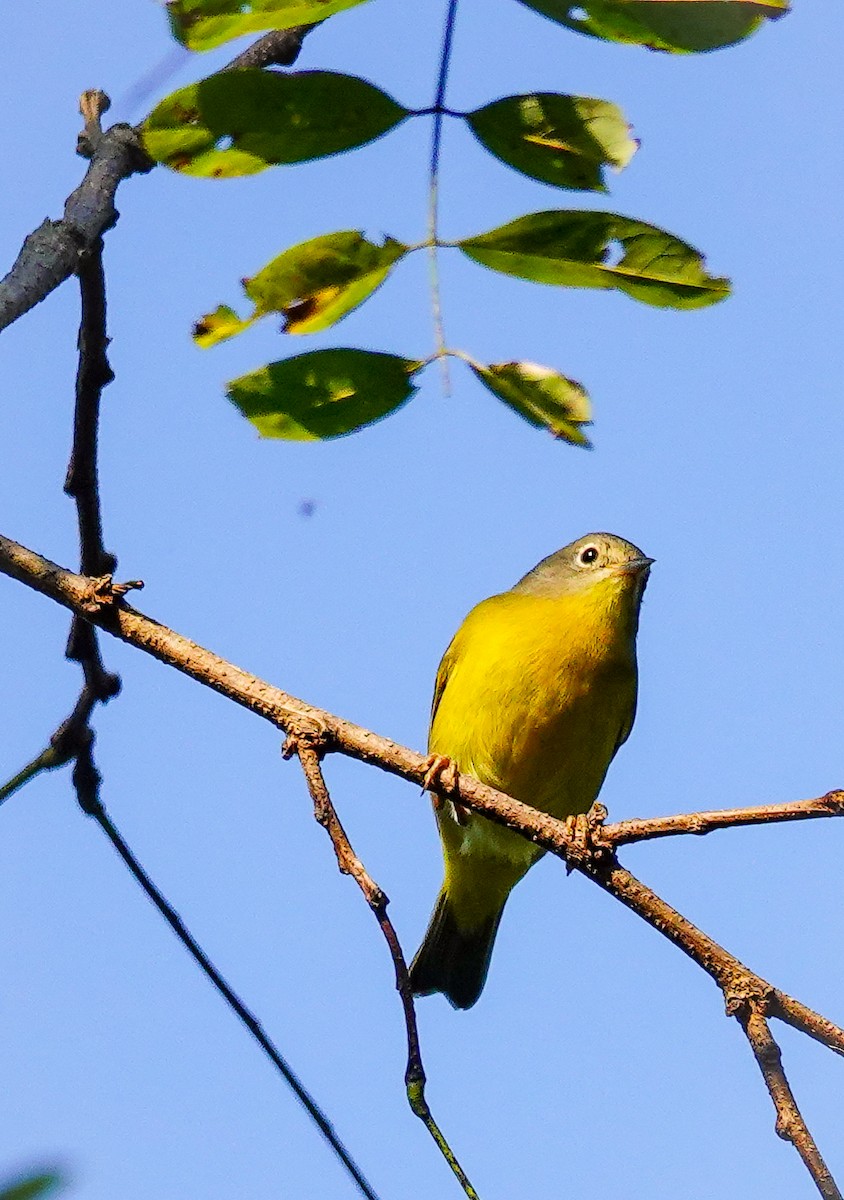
{"x":239,"y":122}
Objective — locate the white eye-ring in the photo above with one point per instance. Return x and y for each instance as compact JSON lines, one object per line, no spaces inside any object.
{"x":588,"y":555}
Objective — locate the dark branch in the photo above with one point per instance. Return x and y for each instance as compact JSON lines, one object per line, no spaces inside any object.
{"x":52,"y":253}
{"x":277,"y":49}
{"x":232,"y":999}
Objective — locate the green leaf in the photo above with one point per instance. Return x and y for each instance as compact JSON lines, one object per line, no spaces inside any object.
{"x":542,"y":396}
{"x":203,"y":24}
{"x":313,"y":285}
{"x":239,"y":122}
{"x":218,"y":326}
{"x":316,"y":283}
{"x":325,"y":394}
{"x":680,"y":26}
{"x":562,"y":140}
{"x":31,"y":1186}
{"x":571,"y":248}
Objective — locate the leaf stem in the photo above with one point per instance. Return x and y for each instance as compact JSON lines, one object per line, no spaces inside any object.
{"x":439,"y":112}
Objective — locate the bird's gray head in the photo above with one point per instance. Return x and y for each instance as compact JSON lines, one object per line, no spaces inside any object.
{"x":593,"y":557}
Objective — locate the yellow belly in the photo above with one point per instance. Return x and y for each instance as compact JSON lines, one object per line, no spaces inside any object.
{"x":539,"y":693}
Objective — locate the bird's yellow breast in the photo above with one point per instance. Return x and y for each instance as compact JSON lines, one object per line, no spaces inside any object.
{"x":535,"y":694}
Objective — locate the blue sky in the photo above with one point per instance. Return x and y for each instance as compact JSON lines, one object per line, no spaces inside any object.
{"x":597,"y":1057}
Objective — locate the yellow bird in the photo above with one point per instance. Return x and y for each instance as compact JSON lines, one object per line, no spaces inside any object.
{"x":534,"y":696}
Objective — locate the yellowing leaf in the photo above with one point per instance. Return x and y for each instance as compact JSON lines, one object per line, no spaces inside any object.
{"x":542,"y":396}
{"x":311,"y":285}
{"x":218,"y":325}
{"x":562,"y":140}
{"x":204,"y":24}
{"x":573,"y":248}
{"x":681,"y":26}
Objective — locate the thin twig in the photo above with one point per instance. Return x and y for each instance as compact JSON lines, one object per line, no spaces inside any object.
{"x":643,"y":829}
{"x":234,"y":1002}
{"x":349,"y":864}
{"x":47,"y":760}
{"x":790,"y":1125}
{"x":92,"y":599}
{"x":438,"y":111}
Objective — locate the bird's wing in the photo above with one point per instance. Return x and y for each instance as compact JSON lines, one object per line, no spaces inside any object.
{"x":624,"y":732}
{"x":448,"y":660}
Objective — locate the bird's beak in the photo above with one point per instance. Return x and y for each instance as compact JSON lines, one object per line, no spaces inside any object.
{"x":634,"y":566}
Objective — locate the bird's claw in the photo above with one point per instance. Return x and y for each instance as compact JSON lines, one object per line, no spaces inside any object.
{"x":584,"y":830}
{"x":442,"y":773}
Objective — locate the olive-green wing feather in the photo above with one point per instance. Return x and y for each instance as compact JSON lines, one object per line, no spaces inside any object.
{"x":445,"y":668}
{"x":626,"y":728}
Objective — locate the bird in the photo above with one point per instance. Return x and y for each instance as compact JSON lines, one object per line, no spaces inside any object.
{"x":534,"y":696}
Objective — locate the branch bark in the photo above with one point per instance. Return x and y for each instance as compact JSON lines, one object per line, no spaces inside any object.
{"x":790,"y":1125}
{"x":279,"y":48}
{"x":644,"y":829}
{"x":52,"y":253}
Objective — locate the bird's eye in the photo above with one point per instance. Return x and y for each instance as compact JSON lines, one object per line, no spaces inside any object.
{"x":589,"y":555}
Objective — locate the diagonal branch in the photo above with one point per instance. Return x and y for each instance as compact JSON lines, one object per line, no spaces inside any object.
{"x":247,"y":1018}
{"x":51,"y":254}
{"x":790,"y":1125}
{"x":279,"y":48}
{"x":349,"y":864}
{"x":53,"y":251}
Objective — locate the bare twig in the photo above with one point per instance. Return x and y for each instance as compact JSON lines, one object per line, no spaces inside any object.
{"x":92,"y":105}
{"x":790,"y":1125}
{"x":295,"y":716}
{"x":699,"y":823}
{"x":232,"y":999}
{"x":306,"y":748}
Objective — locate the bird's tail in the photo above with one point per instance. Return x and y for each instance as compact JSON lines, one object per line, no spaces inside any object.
{"x":451,"y":959}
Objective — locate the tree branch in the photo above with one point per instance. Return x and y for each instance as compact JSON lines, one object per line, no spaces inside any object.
{"x":790,"y":1125}
{"x":349,"y":864}
{"x":73,"y":741}
{"x":643,"y":829}
{"x":52,"y":253}
{"x":234,"y":1002}
{"x":279,"y":48}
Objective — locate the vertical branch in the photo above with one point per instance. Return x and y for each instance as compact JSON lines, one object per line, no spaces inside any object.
{"x":82,"y":480}
{"x":790,"y":1125}
{"x":349,"y":864}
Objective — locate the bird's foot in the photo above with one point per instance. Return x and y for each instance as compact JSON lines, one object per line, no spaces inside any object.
{"x":442,"y":774}
{"x":584,"y":829}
